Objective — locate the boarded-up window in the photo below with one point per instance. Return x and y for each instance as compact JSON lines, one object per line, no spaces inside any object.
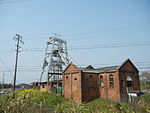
{"x":122,"y":83}
{"x":91,"y":81}
{"x":101,"y":82}
{"x":111,"y":81}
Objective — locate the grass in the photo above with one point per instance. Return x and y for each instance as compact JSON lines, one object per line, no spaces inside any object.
{"x":145,"y":85}
{"x":35,"y":101}
{"x":32,"y":101}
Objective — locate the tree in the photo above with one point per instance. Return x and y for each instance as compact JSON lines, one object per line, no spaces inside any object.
{"x":145,"y":76}
{"x":145,"y":80}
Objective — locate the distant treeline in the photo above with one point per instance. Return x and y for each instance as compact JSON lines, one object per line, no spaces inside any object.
{"x":6,"y":86}
{"x":23,"y":86}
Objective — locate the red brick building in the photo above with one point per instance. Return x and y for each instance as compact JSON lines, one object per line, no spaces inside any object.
{"x":44,"y":86}
{"x":112,"y":83}
{"x":53,"y":87}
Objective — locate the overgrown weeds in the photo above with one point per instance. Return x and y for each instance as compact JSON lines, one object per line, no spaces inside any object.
{"x":35,"y":101}
{"x":30,"y":101}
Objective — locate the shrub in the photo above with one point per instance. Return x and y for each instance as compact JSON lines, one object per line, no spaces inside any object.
{"x":32,"y":101}
{"x":35,"y":101}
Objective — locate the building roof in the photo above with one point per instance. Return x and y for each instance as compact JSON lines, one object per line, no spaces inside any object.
{"x":108,"y":69}
{"x":87,"y":70}
{"x":90,"y":69}
{"x":100,"y":70}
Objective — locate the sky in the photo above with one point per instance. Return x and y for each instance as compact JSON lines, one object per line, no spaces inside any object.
{"x":100,"y":32}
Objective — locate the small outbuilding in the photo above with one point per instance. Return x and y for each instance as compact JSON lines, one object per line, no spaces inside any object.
{"x":54,"y":86}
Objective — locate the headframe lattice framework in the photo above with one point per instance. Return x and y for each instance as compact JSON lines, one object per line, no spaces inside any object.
{"x":56,"y":58}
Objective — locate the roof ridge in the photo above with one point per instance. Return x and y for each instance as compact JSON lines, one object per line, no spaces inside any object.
{"x":108,"y":66}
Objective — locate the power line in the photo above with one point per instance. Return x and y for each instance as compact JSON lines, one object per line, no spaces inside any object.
{"x":140,"y":63}
{"x":39,"y":70}
{"x":109,"y":45}
{"x":86,"y":47}
{"x":112,"y":63}
{"x":144,"y":67}
{"x":5,"y":66}
{"x":12,"y":1}
{"x":104,"y":28}
{"x":99,"y":46}
{"x":24,"y":70}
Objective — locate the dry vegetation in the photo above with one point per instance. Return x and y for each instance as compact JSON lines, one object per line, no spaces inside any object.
{"x":34,"y":101}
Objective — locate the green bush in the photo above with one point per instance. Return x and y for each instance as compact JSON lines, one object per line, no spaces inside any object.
{"x":146,"y":98}
{"x":32,"y":101}
{"x":35,"y":101}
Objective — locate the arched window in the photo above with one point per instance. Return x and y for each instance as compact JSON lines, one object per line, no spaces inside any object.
{"x":75,"y":78}
{"x":111,"y":81}
{"x":129,"y":81}
{"x":101,"y":82}
{"x":67,"y":82}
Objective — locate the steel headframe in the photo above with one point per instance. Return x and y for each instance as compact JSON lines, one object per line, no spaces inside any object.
{"x":56,"y":58}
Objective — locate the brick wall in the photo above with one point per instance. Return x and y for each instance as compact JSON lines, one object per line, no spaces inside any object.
{"x":72,"y":84}
{"x":107,"y":92}
{"x":44,"y":87}
{"x":90,"y":89}
{"x":129,"y":71}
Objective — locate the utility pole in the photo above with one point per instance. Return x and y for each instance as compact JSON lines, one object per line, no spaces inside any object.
{"x":17,"y":38}
{"x":3,"y":81}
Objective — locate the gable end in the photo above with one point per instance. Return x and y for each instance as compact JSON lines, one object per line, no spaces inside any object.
{"x":128,"y":61}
